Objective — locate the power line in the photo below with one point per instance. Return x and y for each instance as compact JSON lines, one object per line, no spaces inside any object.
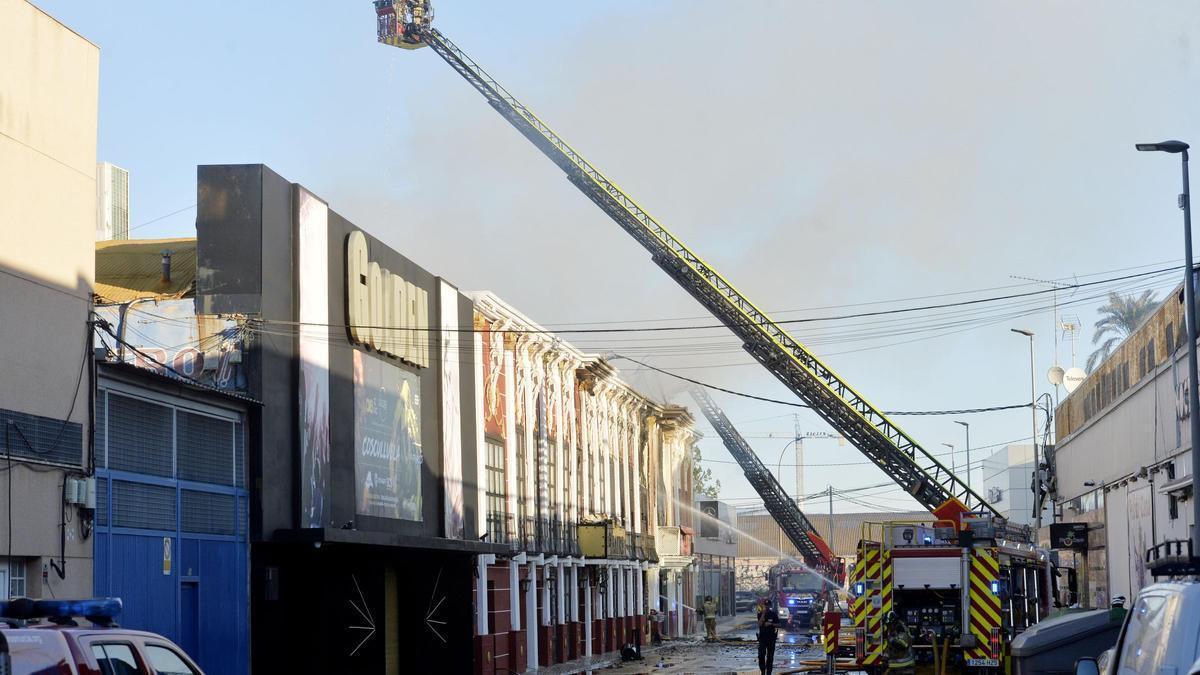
{"x":962,"y":411}
{"x":653,"y":329}
{"x":163,"y":217}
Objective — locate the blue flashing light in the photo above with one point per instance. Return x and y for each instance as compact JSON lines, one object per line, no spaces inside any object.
{"x":928,"y":540}
{"x":791,"y":601}
{"x":94,"y":609}
{"x":860,"y":588}
{"x":995,"y":587}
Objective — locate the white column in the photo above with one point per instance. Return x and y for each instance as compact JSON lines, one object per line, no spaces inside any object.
{"x":587,"y":618}
{"x":510,"y":442}
{"x":561,"y":617}
{"x":677,"y":587}
{"x":480,"y":445}
{"x":672,"y":602}
{"x":610,"y":601}
{"x":574,"y":593}
{"x":620,"y":592}
{"x":514,"y":595}
{"x":545,"y":595}
{"x":637,"y":472}
{"x":481,"y":596}
{"x":531,"y":634}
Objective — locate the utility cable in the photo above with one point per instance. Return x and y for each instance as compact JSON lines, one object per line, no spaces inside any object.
{"x":962,"y":411}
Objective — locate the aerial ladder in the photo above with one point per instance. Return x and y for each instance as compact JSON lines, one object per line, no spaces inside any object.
{"x":792,"y":521}
{"x":407,"y":24}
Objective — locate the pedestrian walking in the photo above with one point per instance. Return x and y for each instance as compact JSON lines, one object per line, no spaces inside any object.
{"x":768,"y":625}
{"x":710,"y":618}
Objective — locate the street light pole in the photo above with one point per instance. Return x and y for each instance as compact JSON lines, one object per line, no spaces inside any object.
{"x":1037,"y":461}
{"x":953,"y":466}
{"x":967,"y":426}
{"x":1189,"y":294}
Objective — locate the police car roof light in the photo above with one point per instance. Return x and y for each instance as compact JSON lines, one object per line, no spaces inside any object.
{"x":99,"y":611}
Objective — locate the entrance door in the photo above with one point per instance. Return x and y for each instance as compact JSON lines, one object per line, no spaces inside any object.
{"x":189,"y":616}
{"x":4,"y":586}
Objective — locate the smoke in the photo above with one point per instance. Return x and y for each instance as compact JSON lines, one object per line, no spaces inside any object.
{"x":817,"y":153}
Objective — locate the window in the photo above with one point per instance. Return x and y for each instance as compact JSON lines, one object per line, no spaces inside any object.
{"x":495,"y":491}
{"x":166,"y":662}
{"x":115,"y":659}
{"x":16,"y":579}
{"x":1173,"y":507}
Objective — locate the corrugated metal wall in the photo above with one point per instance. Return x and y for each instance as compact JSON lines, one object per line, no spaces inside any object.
{"x":171,"y":537}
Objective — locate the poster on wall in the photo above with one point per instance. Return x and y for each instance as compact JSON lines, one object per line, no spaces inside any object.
{"x":1141,"y":536}
{"x":452,"y":356}
{"x":387,"y":440}
{"x":313,"y":288}
{"x":493,"y":382}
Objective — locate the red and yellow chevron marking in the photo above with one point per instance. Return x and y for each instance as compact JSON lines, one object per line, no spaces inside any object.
{"x":984,"y":605}
{"x":873,"y":611}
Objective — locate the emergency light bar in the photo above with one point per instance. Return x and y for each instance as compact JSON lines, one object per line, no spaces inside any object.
{"x":99,"y":611}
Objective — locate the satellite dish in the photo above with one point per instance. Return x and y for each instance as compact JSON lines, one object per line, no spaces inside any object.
{"x":1073,"y":378}
{"x":1055,"y":375}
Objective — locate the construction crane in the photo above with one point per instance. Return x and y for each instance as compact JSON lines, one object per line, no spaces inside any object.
{"x":407,"y":24}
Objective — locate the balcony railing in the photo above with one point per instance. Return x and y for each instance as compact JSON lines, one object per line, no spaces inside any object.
{"x":500,"y":527}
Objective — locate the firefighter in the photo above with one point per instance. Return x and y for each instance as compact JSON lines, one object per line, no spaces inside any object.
{"x":899,"y":641}
{"x":768,"y":624}
{"x":710,"y":618}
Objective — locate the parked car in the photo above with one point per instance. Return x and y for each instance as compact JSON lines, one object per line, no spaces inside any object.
{"x":1161,"y":634}
{"x":43,"y":636}
{"x":744,"y":601}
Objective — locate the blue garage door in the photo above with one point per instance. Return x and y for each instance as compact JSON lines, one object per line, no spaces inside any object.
{"x":171,"y":522}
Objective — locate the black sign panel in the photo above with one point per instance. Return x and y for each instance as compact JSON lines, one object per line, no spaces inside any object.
{"x":1069,"y":536}
{"x":710,"y":527}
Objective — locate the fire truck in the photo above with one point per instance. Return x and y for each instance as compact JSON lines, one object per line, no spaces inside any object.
{"x":935,"y":575}
{"x":800,"y":592}
{"x":963,"y":589}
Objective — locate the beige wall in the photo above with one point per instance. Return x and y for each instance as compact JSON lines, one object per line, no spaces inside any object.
{"x":49,"y":89}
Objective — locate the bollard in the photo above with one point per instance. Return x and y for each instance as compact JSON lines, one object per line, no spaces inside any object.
{"x":831,"y":624}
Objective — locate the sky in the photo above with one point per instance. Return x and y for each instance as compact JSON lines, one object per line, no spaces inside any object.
{"x":821,"y":155}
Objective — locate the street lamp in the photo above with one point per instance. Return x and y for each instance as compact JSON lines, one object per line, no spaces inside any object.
{"x":1037,"y":464}
{"x":1189,"y":294}
{"x":779,"y":472}
{"x":967,"y":426}
{"x":953,"y":466}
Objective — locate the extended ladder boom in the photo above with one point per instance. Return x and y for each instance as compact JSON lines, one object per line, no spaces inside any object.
{"x":864,"y":425}
{"x":781,"y":507}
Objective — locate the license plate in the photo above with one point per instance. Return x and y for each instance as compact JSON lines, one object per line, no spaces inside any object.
{"x":984,"y":663}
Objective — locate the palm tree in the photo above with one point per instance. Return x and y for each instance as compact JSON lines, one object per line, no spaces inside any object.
{"x":1119,"y":318}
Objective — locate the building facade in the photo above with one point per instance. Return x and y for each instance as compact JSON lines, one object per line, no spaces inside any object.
{"x":171,"y":511}
{"x":1122,"y":460}
{"x":588,"y":484}
{"x":762,"y":543}
{"x":716,"y":547}
{"x":112,"y":202}
{"x":49,"y":87}
{"x":362,"y":460}
{"x":1007,"y":484}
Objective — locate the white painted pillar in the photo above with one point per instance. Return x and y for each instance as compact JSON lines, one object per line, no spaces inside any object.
{"x":561,"y":617}
{"x":480,"y":446}
{"x":621,"y":591}
{"x":514,"y":595}
{"x":531,"y":634}
{"x":587,"y":618}
{"x":672,"y":603}
{"x":510,"y":445}
{"x":545,"y":595}
{"x":481,"y":596}
{"x":677,"y":585}
{"x":574,"y":590}
{"x":610,"y":600}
